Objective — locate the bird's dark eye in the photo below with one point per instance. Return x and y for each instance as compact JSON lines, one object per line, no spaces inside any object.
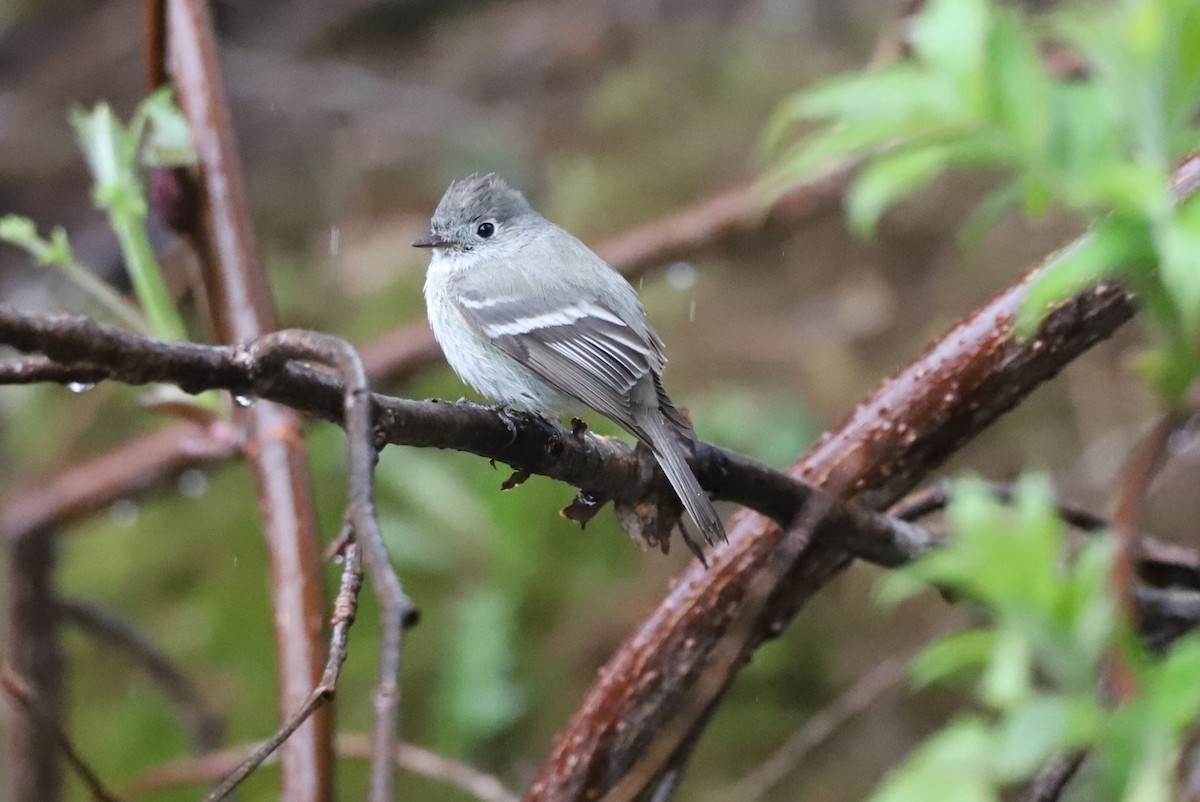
{"x":486,"y":230}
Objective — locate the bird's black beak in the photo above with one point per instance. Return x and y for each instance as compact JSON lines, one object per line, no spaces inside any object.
{"x":430,"y":240}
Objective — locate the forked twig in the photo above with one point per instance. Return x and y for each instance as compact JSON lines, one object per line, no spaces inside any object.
{"x":362,"y":535}
{"x":344,"y":608}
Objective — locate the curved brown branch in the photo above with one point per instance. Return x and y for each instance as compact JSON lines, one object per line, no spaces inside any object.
{"x":960,"y":385}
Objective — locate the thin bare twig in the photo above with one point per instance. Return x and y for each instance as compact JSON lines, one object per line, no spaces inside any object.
{"x":817,"y":730}
{"x":201,"y":769}
{"x":202,"y":724}
{"x":395,"y":607}
{"x":1052,"y":780}
{"x":345,"y":607}
{"x":18,"y":690}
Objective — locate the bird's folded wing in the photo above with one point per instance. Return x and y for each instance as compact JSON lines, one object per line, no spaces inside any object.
{"x":581,"y":349}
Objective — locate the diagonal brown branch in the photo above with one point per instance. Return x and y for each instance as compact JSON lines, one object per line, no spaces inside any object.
{"x":962,"y":383}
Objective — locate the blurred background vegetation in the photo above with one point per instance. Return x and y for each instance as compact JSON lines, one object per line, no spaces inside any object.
{"x":352,"y":118}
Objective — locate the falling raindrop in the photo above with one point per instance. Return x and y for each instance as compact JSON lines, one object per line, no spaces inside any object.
{"x":243,"y":401}
{"x":80,"y":387}
{"x":338,"y":559}
{"x":335,"y":239}
{"x":193,"y":483}
{"x":123,"y":512}
{"x":681,"y":276}
{"x":692,"y":311}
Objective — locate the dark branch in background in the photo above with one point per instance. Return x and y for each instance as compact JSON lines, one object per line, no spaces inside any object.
{"x":960,"y":385}
{"x":128,"y":470}
{"x":16,"y":689}
{"x":203,"y":725}
{"x":205,"y":769}
{"x":240,"y":305}
{"x":33,"y":652}
{"x":1052,"y":780}
{"x":1160,"y":564}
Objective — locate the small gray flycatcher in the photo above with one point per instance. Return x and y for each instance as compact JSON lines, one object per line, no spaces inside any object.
{"x":529,"y":316}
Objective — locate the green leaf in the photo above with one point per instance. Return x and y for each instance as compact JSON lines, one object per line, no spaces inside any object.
{"x":988,"y":212}
{"x":1171,"y":687}
{"x":1018,"y":90}
{"x":953,"y":764}
{"x":168,"y":142}
{"x":477,"y":696}
{"x":1007,"y":680}
{"x":1170,"y":369}
{"x":1030,"y":735}
{"x":888,"y":178}
{"x":22,"y":232}
{"x":1180,"y":266}
{"x":952,"y":655}
{"x":110,"y":151}
{"x":1112,"y":245}
{"x":951,"y":37}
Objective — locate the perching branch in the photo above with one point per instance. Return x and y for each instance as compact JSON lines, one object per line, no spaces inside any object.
{"x":602,"y":466}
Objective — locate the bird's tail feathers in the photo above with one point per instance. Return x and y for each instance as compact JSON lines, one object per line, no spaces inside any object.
{"x":671,"y":458}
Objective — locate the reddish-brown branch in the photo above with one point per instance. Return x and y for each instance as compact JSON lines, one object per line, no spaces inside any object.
{"x":1135,"y":481}
{"x":240,"y":303}
{"x":129,"y":469}
{"x":154,"y":43}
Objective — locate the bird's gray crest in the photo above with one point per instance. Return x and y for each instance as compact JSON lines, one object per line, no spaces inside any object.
{"x":476,"y":198}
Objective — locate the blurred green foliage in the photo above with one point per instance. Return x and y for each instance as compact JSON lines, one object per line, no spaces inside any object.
{"x":1038,"y":667}
{"x":158,"y":137}
{"x":976,"y":92}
